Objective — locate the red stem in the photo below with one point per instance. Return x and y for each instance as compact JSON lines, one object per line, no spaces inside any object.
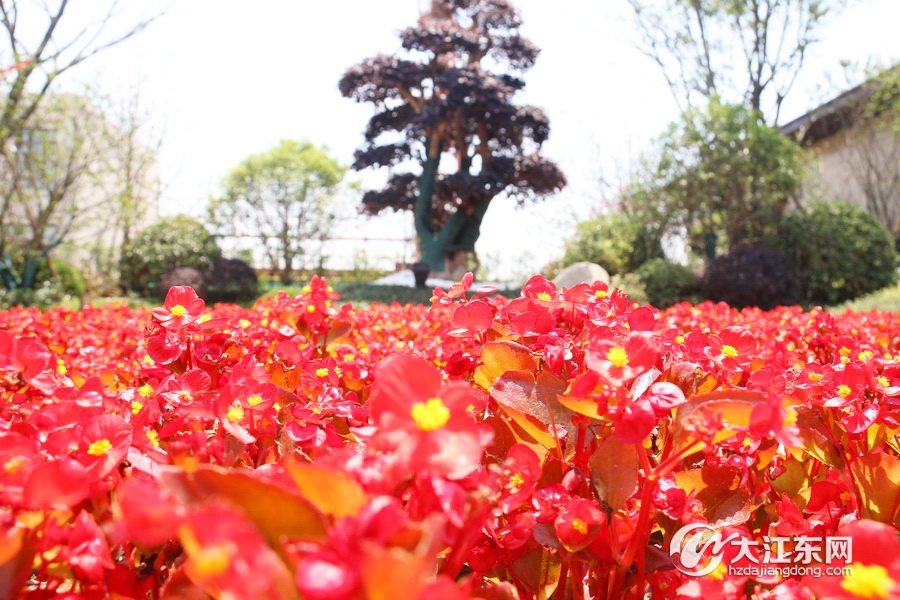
{"x":641,"y":531}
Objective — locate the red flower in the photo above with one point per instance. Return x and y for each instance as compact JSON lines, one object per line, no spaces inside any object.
{"x":621,"y":362}
{"x":181,"y":308}
{"x":579,"y":523}
{"x":426,"y":424}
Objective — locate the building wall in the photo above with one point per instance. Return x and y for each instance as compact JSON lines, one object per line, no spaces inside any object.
{"x":843,"y":165}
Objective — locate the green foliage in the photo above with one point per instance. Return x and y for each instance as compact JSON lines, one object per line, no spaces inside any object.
{"x":752,"y":275}
{"x":283,"y":197}
{"x":616,"y":242}
{"x":887,"y":299}
{"x":718,"y":175}
{"x":70,"y":280}
{"x":45,"y":294}
{"x":170,"y":242}
{"x":667,"y":283}
{"x":841,"y":251}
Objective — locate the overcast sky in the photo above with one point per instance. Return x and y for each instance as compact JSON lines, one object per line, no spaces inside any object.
{"x":224,"y":80}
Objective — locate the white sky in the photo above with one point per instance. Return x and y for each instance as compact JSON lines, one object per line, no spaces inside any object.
{"x":224,"y":80}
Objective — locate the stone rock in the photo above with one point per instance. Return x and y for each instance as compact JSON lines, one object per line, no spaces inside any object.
{"x":581,"y":272}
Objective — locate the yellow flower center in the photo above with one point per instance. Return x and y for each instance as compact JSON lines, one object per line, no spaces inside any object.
{"x":185,"y":396}
{"x":579,"y":526}
{"x":145,"y":391}
{"x":205,"y":561}
{"x":100,"y":447}
{"x":14,"y":465}
{"x":311,"y":308}
{"x":136,"y":407}
{"x":884,"y":381}
{"x":791,"y":417}
{"x":600,"y":294}
{"x":244,"y":323}
{"x":844,"y":391}
{"x":177,"y":311}
{"x":544,"y":296}
{"x":844,"y":351}
{"x":153,"y":437}
{"x":729,"y":351}
{"x":679,"y":339}
{"x":205,"y":317}
{"x":617,"y":356}
{"x":254,"y":399}
{"x":865,"y":355}
{"x":323,"y":372}
{"x":719,"y":572}
{"x":431,"y":414}
{"x":516,"y":481}
{"x":235,"y":413}
{"x":867,"y":581}
{"x":815,"y":376}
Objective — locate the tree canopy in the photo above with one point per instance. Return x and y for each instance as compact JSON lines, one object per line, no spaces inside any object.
{"x":738,"y":50}
{"x":282,"y":197}
{"x":446,"y":125}
{"x":718,"y":174}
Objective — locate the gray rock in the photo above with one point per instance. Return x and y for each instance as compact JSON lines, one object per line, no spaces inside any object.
{"x":581,"y":272}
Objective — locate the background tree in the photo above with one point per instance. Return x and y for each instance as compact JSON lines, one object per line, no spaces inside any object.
{"x":281,"y":197}
{"x":717,"y":174}
{"x":128,"y":181}
{"x":79,"y":177}
{"x":447,"y":127}
{"x":39,"y":42}
{"x":739,"y":50}
{"x":46,"y":186}
{"x":43,"y":40}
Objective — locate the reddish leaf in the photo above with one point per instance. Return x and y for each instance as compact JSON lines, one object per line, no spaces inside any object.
{"x":877,"y":477}
{"x":538,"y":571}
{"x":275,"y":511}
{"x":614,"y":472}
{"x":520,"y":393}
{"x":333,"y":492}
{"x":498,"y":358}
{"x":725,"y":501}
{"x":733,"y":407}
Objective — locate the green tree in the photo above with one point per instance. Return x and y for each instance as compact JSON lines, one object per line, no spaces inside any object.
{"x":178,"y":241}
{"x":447,"y":127}
{"x":717,"y":175}
{"x":282,"y":197}
{"x":615,"y":241}
{"x":747,"y":50}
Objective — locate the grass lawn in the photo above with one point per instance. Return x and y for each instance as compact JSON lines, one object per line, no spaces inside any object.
{"x":887,"y":299}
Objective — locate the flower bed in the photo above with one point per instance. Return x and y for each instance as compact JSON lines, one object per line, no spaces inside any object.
{"x":564,"y":445}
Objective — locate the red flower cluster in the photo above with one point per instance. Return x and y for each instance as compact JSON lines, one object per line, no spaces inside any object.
{"x":563,"y":444}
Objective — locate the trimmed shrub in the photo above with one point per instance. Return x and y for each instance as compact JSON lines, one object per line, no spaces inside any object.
{"x":841,"y":252}
{"x":667,"y":283}
{"x":182,"y":276}
{"x":170,"y":242}
{"x":615,"y":241}
{"x":752,"y":275}
{"x":231,"y":280}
